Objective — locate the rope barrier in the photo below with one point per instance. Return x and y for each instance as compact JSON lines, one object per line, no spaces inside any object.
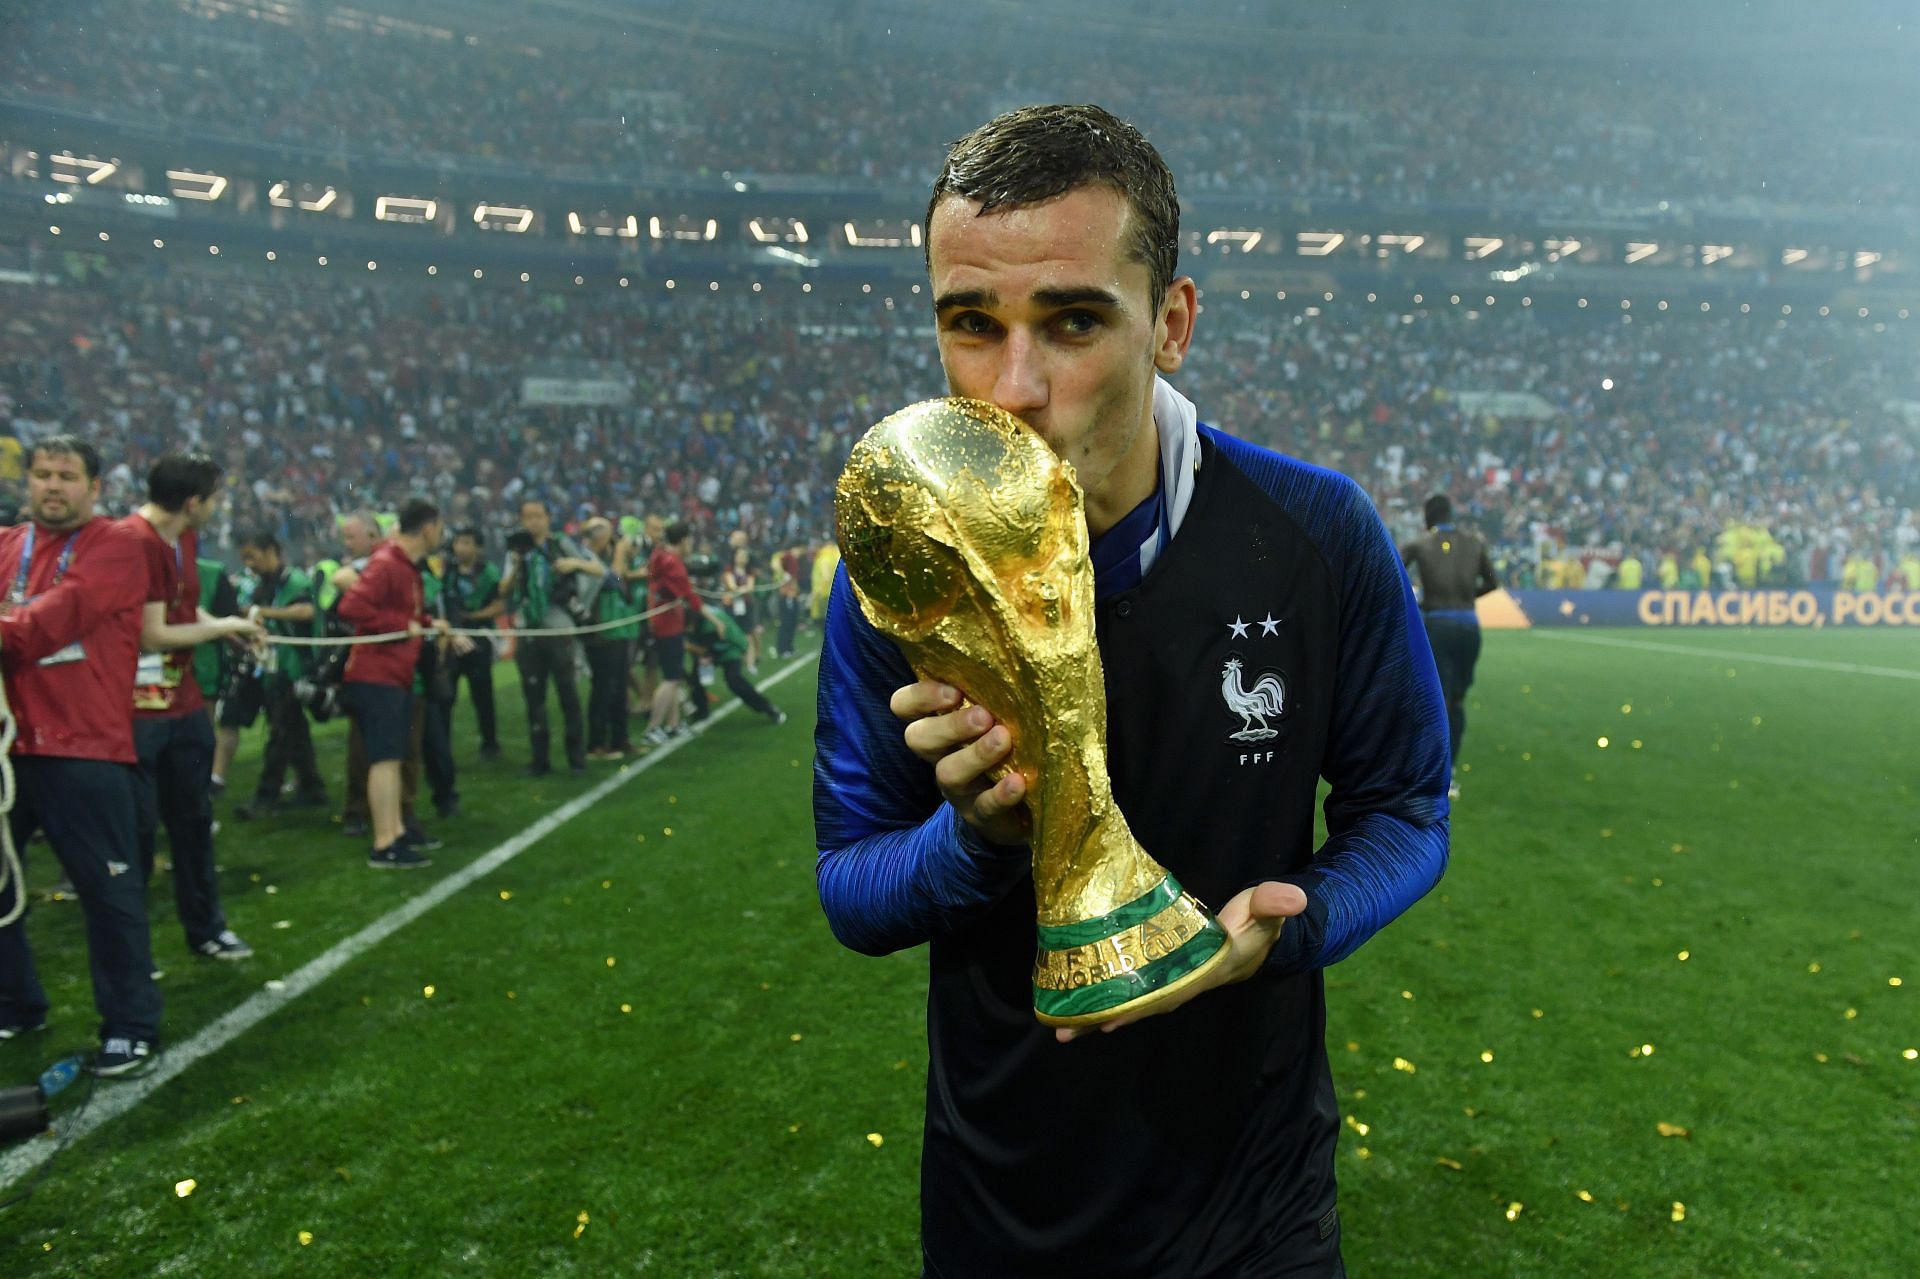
{"x":472,"y":632}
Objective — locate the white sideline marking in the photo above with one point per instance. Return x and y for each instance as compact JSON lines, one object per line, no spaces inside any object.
{"x":115,"y":1099}
{"x":1765,"y":659}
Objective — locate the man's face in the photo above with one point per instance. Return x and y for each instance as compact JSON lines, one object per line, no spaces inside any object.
{"x":358,"y":537}
{"x":656,"y":529}
{"x":535,"y":520}
{"x":465,"y":550}
{"x":1045,"y":312}
{"x":59,"y":494}
{"x":261,"y":561}
{"x":434,"y":535}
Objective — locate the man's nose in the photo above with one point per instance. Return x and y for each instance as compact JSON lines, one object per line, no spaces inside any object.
{"x":1020,"y":384}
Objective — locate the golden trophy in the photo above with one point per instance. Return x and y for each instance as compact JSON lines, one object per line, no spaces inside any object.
{"x":965,"y":538}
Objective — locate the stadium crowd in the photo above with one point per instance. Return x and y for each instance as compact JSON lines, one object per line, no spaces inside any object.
{"x":1648,"y":436}
{"x":1384,"y":126}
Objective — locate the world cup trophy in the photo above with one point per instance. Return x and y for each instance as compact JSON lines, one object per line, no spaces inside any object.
{"x":965,"y":538}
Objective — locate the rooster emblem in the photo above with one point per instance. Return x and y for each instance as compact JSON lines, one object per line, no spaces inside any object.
{"x":1266,"y":699}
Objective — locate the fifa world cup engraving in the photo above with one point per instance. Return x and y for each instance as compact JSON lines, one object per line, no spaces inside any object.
{"x":965,"y":539}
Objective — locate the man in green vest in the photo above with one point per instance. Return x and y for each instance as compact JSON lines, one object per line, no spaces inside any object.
{"x":473,"y":601}
{"x":712,"y":632}
{"x":609,"y":652}
{"x":282,"y":600}
{"x":215,"y":664}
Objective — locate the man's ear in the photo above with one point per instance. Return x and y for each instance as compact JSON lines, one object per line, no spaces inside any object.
{"x":1173,"y":330}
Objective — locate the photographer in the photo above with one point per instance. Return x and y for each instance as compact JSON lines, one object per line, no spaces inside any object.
{"x":544,"y":589}
{"x":473,"y":600}
{"x":717,"y":636}
{"x":281,"y":598}
{"x":609,"y":652}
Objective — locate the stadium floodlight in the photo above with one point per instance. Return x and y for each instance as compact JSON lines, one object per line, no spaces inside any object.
{"x":1245,"y":239}
{"x":1793,"y":257}
{"x":1318,"y":244}
{"x":416,"y":210}
{"x":882,"y":233}
{"x":791,"y":257}
{"x":1711,"y":253}
{"x":502,"y":217}
{"x":1864,"y":258}
{"x":80,"y":170}
{"x":1405,"y":243}
{"x":309,"y":197}
{"x":1557,"y":249}
{"x":777,"y":230}
{"x":684,"y":227}
{"x":1640,"y":251}
{"x":1482,"y":246}
{"x":189,"y":185}
{"x":605,"y":224}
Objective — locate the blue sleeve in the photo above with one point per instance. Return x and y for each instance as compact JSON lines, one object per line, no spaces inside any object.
{"x":897,"y":866}
{"x":1386,"y":757}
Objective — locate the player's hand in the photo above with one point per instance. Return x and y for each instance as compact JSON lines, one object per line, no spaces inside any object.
{"x":241,"y":630}
{"x":1253,"y":920}
{"x":964,"y":744}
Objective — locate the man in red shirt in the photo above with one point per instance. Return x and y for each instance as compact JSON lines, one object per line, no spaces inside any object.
{"x":667,"y":582}
{"x":172,"y":732}
{"x":69,"y":637}
{"x":388,"y":598}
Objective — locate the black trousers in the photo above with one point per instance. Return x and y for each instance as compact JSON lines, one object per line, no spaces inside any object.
{"x":436,"y":752}
{"x":289,"y":743}
{"x":476,"y":668}
{"x":543,"y":661}
{"x":742,"y":688}
{"x":1456,"y":650}
{"x":86,"y":808}
{"x":607,"y":660}
{"x":173,"y":783}
{"x":789,"y":606}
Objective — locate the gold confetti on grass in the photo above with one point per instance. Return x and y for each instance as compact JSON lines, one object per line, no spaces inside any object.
{"x":580,"y":1224}
{"x":1679,"y":1211}
{"x":1404,"y":1066}
{"x":1486,"y":1056}
{"x":1684,"y":956}
{"x":626,"y":1008}
{"x":427,"y":991}
{"x":1672,"y":1130}
{"x":506,"y":894}
{"x":182,"y":1189}
{"x":875,"y":1139}
{"x":1357,"y":1126}
{"x":1445,"y":1162}
{"x":1514,"y":1210}
{"x":611,"y":961}
{"x":1584,"y":1196}
{"x":305,"y":1237}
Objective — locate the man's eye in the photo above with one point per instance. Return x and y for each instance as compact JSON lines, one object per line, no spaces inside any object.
{"x":971,"y":322}
{"x":1078,"y":323}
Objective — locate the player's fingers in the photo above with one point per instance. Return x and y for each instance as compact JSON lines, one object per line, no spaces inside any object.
{"x":938,"y":736}
{"x":927,"y":697}
{"x":1001,"y":800}
{"x":958,"y":771}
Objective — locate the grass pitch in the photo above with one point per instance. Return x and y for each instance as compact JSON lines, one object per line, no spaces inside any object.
{"x":643,"y":1053}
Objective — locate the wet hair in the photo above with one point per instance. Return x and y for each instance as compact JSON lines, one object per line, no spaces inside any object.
{"x":417,"y":514}
{"x":1439,"y":510}
{"x":1036,"y":154}
{"x":69,"y":446}
{"x":175,"y":478}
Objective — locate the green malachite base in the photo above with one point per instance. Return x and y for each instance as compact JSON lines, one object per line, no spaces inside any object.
{"x":1126,"y":961}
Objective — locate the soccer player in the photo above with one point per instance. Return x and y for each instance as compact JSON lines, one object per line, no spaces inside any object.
{"x":69,"y":642}
{"x":1200,"y":1141}
{"x":1455,"y":570}
{"x":387,"y":598}
{"x":172,"y":731}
